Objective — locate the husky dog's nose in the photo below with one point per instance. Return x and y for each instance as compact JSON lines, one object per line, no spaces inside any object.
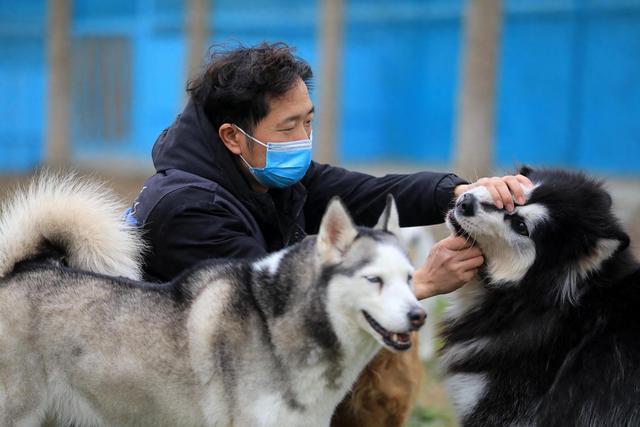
{"x":466,"y":204}
{"x":417,"y":317}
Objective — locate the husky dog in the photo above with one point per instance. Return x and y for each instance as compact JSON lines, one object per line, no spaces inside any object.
{"x":549,"y":335}
{"x":276,"y":341}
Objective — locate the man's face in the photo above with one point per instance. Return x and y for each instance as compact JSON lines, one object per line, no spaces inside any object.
{"x":289,"y":119}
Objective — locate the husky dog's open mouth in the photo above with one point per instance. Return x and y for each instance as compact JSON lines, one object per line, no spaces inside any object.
{"x":400,"y":341}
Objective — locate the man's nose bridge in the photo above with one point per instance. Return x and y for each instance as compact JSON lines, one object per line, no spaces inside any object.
{"x":300,"y":132}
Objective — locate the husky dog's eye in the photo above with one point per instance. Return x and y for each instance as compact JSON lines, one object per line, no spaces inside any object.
{"x":519,"y":226}
{"x":409,"y":278}
{"x":374,"y":279}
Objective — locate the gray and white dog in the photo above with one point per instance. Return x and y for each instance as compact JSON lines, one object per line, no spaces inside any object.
{"x":272,"y":342}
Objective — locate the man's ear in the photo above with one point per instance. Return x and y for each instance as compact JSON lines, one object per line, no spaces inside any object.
{"x":336,"y":234}
{"x":231,"y":137}
{"x":389,"y":220}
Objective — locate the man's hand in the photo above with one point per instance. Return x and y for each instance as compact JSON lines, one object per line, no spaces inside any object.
{"x":503,"y":189}
{"x":451,"y":263}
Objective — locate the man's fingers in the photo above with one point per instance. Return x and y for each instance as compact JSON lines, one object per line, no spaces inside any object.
{"x":471,"y":264}
{"x":495,"y":195}
{"x":505,"y":195}
{"x":469,"y":275}
{"x":524,"y":180}
{"x":515,"y":187}
{"x":456,"y":243}
{"x":467,"y":254}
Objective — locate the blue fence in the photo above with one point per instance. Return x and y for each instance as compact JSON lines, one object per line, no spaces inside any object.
{"x":568,"y":82}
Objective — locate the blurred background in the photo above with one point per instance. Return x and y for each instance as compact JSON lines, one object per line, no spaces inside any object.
{"x":477,"y":87}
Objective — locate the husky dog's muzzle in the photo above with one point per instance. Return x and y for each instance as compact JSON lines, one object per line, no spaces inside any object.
{"x":400,"y":341}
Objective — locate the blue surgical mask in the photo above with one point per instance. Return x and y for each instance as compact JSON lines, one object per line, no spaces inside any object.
{"x":285,"y":164}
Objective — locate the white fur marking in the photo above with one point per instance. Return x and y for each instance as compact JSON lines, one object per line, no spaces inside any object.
{"x":585,"y":266}
{"x":464,"y":299}
{"x":464,"y":351}
{"x":271,"y":262}
{"x":465,"y":390}
{"x":265,"y":409}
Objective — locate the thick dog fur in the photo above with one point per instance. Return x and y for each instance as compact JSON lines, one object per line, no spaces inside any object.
{"x":272,"y":342}
{"x":550,"y":334}
{"x":384,"y":393}
{"x":63,"y":211}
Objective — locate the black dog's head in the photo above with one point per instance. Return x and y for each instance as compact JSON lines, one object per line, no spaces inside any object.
{"x":564,"y":233}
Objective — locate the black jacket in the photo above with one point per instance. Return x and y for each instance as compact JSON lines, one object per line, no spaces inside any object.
{"x":198,"y":205}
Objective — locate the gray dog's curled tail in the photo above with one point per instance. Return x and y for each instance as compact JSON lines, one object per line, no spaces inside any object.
{"x":81,"y":217}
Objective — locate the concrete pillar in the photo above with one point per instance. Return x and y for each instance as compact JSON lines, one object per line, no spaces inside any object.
{"x":197,"y":24}
{"x":58,"y":134}
{"x":475,"y":133}
{"x":331,"y":34}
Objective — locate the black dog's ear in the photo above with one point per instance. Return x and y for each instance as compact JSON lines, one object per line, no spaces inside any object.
{"x":624,"y":241}
{"x":525,"y":170}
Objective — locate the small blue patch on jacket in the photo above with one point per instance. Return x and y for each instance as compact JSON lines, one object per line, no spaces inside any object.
{"x":130,"y":218}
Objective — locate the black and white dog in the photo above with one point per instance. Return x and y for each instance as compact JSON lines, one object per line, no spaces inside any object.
{"x":550,"y":332}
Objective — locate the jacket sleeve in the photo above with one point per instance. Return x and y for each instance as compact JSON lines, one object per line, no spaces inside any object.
{"x":422,"y":198}
{"x":182,"y":232}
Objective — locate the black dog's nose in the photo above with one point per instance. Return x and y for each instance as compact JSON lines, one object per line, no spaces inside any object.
{"x":417,"y":317}
{"x":466,"y":204}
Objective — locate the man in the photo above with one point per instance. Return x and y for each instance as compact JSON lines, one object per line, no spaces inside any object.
{"x":235,"y":177}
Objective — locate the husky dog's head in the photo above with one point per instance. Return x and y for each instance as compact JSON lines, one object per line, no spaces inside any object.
{"x":370,"y":277}
{"x":562,"y":235}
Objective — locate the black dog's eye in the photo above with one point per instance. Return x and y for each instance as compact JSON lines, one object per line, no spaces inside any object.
{"x":374,"y":279}
{"x":519,"y":226}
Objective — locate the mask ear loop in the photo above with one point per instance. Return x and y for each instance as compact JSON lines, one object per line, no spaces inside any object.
{"x":251,"y":168}
{"x":249,"y":136}
{"x":245,"y":162}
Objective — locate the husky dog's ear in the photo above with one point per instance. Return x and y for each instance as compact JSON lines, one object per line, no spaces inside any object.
{"x":525,"y":170}
{"x":336,"y":234}
{"x":389,"y":220}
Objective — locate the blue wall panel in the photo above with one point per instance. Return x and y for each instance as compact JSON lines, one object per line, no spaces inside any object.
{"x":568,"y":81}
{"x":399,"y":79}
{"x":160,"y":81}
{"x":569,"y":86}
{"x":433,"y":94}
{"x":609,"y":132}
{"x":363,"y":98}
{"x":22,"y":85}
{"x":533,"y":114}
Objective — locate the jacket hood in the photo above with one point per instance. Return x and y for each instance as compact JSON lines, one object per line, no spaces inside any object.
{"x":192,"y":144}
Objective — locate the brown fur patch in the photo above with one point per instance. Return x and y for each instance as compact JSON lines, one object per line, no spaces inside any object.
{"x":385,"y":392}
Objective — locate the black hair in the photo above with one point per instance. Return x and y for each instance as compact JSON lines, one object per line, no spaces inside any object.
{"x":236,"y":85}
